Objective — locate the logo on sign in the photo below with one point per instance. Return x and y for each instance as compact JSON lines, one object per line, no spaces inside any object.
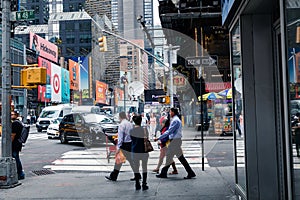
{"x":56,"y":83}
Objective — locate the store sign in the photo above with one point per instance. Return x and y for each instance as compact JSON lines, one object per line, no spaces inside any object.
{"x":217,"y":87}
{"x":179,"y":80}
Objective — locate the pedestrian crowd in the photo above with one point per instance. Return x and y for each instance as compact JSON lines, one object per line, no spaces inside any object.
{"x":133,"y":133}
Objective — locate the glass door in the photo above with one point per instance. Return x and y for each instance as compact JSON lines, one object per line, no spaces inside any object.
{"x":238,"y":105}
{"x":293,"y":67}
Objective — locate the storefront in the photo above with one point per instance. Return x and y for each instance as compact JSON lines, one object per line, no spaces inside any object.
{"x":265,"y":64}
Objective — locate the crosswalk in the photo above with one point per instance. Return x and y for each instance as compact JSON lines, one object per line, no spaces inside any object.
{"x":95,"y":159}
{"x":38,"y":136}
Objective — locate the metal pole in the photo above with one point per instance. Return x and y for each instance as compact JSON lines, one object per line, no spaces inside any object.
{"x":171,"y":77}
{"x":201,"y":101}
{"x":25,"y":106}
{"x":8,"y":171}
{"x":6,"y":81}
{"x":125,"y":98}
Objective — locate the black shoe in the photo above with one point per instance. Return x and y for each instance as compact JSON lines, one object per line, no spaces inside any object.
{"x":21,"y":177}
{"x":145,"y":187}
{"x":110,"y":178}
{"x":137,"y":187}
{"x":161,"y":176}
{"x":189,"y":176}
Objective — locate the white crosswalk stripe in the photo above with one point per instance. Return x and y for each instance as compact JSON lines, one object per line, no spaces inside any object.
{"x":95,"y":159}
{"x":35,"y":136}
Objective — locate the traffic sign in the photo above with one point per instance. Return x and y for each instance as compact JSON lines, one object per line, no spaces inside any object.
{"x":204,"y":61}
{"x":25,"y":15}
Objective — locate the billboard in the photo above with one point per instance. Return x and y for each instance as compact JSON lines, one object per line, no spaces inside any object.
{"x":152,"y":95}
{"x":83,"y":63}
{"x":101,"y":89}
{"x":119,"y":95}
{"x":55,"y":83}
{"x":43,"y":47}
{"x":45,"y":91}
{"x":65,"y":86}
{"x":74,"y":75}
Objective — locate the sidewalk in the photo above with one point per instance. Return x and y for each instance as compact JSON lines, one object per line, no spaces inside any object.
{"x":208,"y":185}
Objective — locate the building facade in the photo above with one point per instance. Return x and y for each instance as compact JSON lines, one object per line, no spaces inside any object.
{"x":265,"y":44}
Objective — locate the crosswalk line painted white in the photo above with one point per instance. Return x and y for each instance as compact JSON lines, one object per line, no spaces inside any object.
{"x":95,"y":159}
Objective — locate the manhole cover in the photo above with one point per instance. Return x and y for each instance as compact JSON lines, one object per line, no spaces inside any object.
{"x":43,"y":172}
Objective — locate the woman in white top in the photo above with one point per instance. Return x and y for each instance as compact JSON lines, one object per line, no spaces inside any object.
{"x":152,"y":123}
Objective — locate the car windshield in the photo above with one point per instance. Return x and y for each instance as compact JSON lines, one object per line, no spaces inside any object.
{"x":49,"y":114}
{"x":96,"y":118}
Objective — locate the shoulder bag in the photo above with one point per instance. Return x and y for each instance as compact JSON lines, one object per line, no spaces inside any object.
{"x":147,"y":144}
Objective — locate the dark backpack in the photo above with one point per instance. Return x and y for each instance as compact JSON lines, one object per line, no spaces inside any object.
{"x":24,"y":134}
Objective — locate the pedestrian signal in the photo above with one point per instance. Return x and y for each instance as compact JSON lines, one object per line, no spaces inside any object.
{"x":33,"y":76}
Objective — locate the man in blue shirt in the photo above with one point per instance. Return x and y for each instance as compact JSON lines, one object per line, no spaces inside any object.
{"x":175,"y":134}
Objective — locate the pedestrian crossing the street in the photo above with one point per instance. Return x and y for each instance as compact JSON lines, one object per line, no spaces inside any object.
{"x":95,"y":159}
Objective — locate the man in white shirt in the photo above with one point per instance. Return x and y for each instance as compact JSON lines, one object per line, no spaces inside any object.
{"x":124,"y":143}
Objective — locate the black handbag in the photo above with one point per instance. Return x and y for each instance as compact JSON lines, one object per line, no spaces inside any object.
{"x":147,"y":144}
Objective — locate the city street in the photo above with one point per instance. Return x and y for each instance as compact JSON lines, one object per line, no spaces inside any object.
{"x":43,"y":155}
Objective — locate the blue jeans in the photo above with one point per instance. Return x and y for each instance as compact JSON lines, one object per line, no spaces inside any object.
{"x":15,"y":155}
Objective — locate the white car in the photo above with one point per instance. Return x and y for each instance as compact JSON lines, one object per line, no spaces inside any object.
{"x":53,"y":129}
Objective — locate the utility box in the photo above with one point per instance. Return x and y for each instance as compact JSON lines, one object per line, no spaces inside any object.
{"x":8,"y":173}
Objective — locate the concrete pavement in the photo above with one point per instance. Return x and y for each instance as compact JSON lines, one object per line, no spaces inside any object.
{"x":210,"y":184}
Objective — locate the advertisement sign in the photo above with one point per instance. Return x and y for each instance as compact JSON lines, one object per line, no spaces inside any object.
{"x":47,"y":64}
{"x":43,"y":47}
{"x":119,"y":95}
{"x":83,"y":74}
{"x":65,"y":86}
{"x":74,"y":75}
{"x":55,"y":83}
{"x":152,"y":95}
{"x":41,"y":94}
{"x":101,"y":89}
{"x":294,"y":64}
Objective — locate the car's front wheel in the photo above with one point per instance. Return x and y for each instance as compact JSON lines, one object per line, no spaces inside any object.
{"x":87,"y":140}
{"x":63,"y":138}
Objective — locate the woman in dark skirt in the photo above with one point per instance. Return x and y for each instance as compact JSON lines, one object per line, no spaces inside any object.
{"x":138,"y":152}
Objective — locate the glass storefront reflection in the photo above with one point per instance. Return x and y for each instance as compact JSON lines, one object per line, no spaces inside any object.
{"x":237,"y":76}
{"x":293,"y":48}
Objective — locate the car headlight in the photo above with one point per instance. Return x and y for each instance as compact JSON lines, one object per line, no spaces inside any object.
{"x":94,"y":129}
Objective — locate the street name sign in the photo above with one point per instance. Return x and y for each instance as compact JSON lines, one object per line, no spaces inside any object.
{"x":204,"y":61}
{"x":25,"y":15}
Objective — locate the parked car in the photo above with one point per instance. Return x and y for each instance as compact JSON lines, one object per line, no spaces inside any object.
{"x":53,"y":129}
{"x":89,"y":128}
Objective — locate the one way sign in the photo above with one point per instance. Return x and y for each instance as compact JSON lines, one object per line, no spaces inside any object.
{"x":204,"y":61}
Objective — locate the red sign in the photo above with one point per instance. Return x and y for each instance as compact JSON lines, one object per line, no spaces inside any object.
{"x":101,"y":92}
{"x":74,"y":75}
{"x":43,"y":47}
{"x":217,"y":87}
{"x":56,"y":83}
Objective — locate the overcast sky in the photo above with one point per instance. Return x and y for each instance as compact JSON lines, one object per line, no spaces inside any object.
{"x":155,"y":13}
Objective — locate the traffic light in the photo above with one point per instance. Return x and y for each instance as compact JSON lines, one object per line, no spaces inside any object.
{"x":33,"y":76}
{"x":14,"y":5}
{"x":102,"y":43}
{"x":164,"y":99}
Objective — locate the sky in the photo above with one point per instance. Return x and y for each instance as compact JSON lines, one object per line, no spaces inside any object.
{"x":155,"y":13}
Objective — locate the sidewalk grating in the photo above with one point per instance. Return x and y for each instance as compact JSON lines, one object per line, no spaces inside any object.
{"x":43,"y":172}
